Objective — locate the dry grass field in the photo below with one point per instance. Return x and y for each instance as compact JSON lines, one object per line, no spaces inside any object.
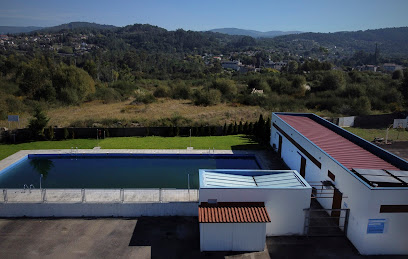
{"x":150,"y":114}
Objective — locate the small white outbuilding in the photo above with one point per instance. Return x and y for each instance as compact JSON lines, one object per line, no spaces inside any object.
{"x":232,"y":226}
{"x":239,"y":208}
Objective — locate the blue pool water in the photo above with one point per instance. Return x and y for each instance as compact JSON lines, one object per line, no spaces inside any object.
{"x":117,"y":170}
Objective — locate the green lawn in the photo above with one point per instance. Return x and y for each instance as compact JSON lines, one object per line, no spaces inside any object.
{"x":370,"y":134}
{"x":217,"y":142}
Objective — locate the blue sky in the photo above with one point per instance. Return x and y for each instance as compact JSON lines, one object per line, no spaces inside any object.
{"x":262,"y":15}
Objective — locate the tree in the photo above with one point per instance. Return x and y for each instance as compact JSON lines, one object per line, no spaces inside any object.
{"x":240,"y":128}
{"x":293,"y":67}
{"x":230,"y":129}
{"x":72,"y":84}
{"x":333,"y":80}
{"x":397,"y":74}
{"x":38,"y":123}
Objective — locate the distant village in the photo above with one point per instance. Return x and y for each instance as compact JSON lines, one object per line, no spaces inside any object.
{"x":68,"y":44}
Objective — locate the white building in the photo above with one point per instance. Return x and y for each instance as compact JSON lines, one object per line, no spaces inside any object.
{"x":369,"y":181}
{"x":391,"y":67}
{"x":282,"y":195}
{"x":235,"y":65}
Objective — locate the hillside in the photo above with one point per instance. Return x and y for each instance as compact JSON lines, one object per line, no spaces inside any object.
{"x":391,"y":41}
{"x":253,"y":33}
{"x":78,"y":25}
{"x":18,"y":29}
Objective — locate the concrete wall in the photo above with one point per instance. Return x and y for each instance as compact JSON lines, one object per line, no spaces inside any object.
{"x":232,"y":236}
{"x":285,"y":206}
{"x":400,"y":123}
{"x":98,"y":209}
{"x":346,"y":121}
{"x":362,"y":201}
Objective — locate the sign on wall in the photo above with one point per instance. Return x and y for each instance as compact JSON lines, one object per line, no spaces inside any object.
{"x":376,"y":226}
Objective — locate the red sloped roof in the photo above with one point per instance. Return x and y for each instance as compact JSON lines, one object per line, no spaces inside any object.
{"x":233,"y":212}
{"x":343,"y":150}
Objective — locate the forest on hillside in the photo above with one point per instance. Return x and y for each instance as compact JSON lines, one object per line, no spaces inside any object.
{"x":143,"y":63}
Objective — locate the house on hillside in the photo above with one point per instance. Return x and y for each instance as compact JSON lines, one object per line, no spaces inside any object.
{"x":235,"y":65}
{"x":391,"y":67}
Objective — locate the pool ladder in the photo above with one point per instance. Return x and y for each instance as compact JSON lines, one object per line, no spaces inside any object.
{"x":209,"y":150}
{"x":29,"y":188}
{"x":74,"y":152}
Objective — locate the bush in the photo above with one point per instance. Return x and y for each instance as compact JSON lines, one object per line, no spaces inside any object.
{"x":181,"y":91}
{"x":66,"y":133}
{"x":227,"y":88}
{"x":141,"y":97}
{"x":207,"y":98}
{"x":162,"y":91}
{"x":332,"y":80}
{"x":107,"y":95}
{"x":50,"y":133}
{"x":124,"y":88}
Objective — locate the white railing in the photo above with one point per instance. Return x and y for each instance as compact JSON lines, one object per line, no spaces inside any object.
{"x":158,"y":195}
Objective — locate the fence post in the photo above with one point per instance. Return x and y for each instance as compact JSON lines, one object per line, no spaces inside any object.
{"x":5,"y":195}
{"x":43,"y":195}
{"x":307,"y":222}
{"x":346,"y":221}
{"x":83,"y":195}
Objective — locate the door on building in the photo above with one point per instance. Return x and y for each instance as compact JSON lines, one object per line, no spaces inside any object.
{"x":336,"y":205}
{"x":302,"y":166}
{"x":280,"y":146}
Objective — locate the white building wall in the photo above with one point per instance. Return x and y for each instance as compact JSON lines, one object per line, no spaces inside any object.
{"x":394,"y":240}
{"x":285,"y":206}
{"x":232,"y":236}
{"x":362,"y":201}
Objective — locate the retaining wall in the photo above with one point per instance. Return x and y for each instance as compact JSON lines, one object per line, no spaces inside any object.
{"x":98,"y":209}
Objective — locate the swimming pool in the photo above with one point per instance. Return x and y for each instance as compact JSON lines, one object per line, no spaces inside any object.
{"x":118,"y":170}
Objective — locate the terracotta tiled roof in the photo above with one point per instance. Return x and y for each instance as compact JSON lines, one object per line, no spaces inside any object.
{"x":343,"y":150}
{"x":233,"y":212}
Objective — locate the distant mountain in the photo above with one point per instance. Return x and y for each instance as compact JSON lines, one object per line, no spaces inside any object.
{"x":79,"y":25}
{"x":393,"y":41}
{"x":18,"y":29}
{"x":253,"y":33}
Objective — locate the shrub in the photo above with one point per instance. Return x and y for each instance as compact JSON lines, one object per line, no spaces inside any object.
{"x":162,"y":91}
{"x":124,"y":88}
{"x":107,"y":95}
{"x":181,"y":91}
{"x":227,"y":87}
{"x":50,"y":133}
{"x":207,"y":98}
{"x":332,"y":80}
{"x":141,"y":97}
{"x":66,"y":133}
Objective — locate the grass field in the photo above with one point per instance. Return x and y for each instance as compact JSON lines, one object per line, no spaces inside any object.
{"x":238,"y":142}
{"x":149,"y":114}
{"x":370,"y":134}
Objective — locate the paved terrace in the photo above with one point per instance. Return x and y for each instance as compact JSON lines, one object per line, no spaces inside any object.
{"x":146,"y":237}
